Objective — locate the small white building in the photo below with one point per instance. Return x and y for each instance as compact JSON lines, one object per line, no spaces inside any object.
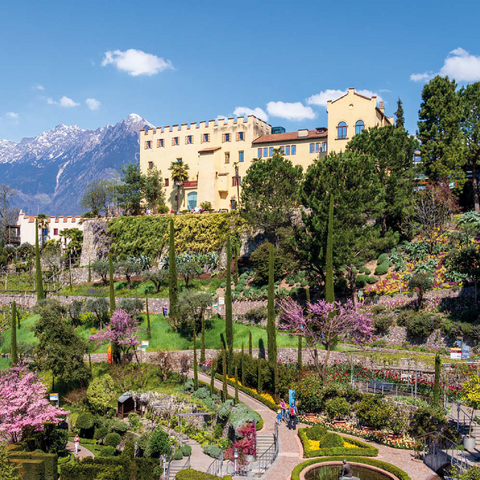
{"x":24,"y":230}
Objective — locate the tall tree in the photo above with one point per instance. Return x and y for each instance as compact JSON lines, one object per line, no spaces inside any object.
{"x":329,"y":292}
{"x":236,"y":386}
{"x":153,"y":190}
{"x":130,"y":189}
{"x":38,"y":268}
{"x":98,"y":196}
{"x":270,"y":193}
{"x":111,"y":284}
{"x":470,"y":103}
{"x":179,"y":176}
{"x":271,"y":326}
{"x":224,"y":382}
{"x":299,"y":353}
{"x":8,"y":213}
{"x":13,"y":340}
{"x":393,"y":150}
{"x":242,"y":365}
{"x":172,"y":276}
{"x":436,"y":385}
{"x":399,"y":115}
{"x":149,"y":330}
{"x":192,"y":309}
{"x":228,"y":307}
{"x":213,"y":368}
{"x":439,"y":131}
{"x":195,"y":362}
{"x":250,"y":343}
{"x":359,"y":201}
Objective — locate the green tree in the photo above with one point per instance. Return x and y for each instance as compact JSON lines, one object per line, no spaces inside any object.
{"x":399,"y":115}
{"x":466,"y":260}
{"x":172,"y":276}
{"x":224,"y":382}
{"x":8,"y":213}
{"x":157,"y":277}
{"x":259,"y":376}
{"x":260,"y":260}
{"x":228,"y":307}
{"x":213,"y":369}
{"x":179,"y":176}
{"x":101,"y":268}
{"x":130,"y":189}
{"x":98,"y":196}
{"x":439,"y":131}
{"x":59,"y":348}
{"x":271,"y":323}
{"x":128,"y":268}
{"x":195,"y":362}
{"x":299,"y":353}
{"x":237,"y":401}
{"x":13,"y":340}
{"x":422,"y":282}
{"x":153,"y":190}
{"x":101,"y":393}
{"x":149,"y":330}
{"x":242,"y":365}
{"x":470,"y":103}
{"x":436,"y":385}
{"x":358,"y":201}
{"x":111,"y":284}
{"x":329,"y":292}
{"x":188,"y":271}
{"x":250,"y":343}
{"x":38,"y":267}
{"x":393,"y":150}
{"x":192,"y":308}
{"x":270,"y":193}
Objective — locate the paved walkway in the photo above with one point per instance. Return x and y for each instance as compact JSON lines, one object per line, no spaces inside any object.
{"x":82,"y":451}
{"x":291,"y":451}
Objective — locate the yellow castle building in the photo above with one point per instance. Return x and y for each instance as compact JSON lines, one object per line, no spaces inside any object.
{"x":218,"y":154}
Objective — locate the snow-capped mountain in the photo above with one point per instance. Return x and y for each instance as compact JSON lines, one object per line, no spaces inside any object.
{"x":52,"y":170}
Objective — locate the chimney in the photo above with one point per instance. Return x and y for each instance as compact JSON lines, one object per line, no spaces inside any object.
{"x":303,"y":133}
{"x":382,"y":107}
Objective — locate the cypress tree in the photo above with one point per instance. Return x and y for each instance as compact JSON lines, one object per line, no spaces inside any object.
{"x":212,"y":376}
{"x":89,"y":272}
{"x":149,"y":331}
{"x":111,"y":284}
{"x":172,"y":276}
{"x":250,"y":344}
{"x":259,"y":376}
{"x":242,"y":365}
{"x":38,"y":267}
{"x":224,"y":389}
{"x":195,"y":366}
{"x":436,"y":385}
{"x":271,"y":327}
{"x":329,"y":293}
{"x":18,"y":319}
{"x":202,"y":351}
{"x":236,"y":385}
{"x":400,"y":118}
{"x":299,"y":358}
{"x":70,"y":278}
{"x":228,"y":308}
{"x":13,"y":341}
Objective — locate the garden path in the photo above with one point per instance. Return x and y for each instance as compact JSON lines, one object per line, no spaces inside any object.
{"x":82,"y":451}
{"x":290,"y":452}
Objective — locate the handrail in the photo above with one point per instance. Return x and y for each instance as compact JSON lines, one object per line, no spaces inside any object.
{"x":439,"y":443}
{"x":215,"y":467}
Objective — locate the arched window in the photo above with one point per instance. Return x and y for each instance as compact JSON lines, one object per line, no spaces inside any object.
{"x":342,"y":130}
{"x":359,"y":126}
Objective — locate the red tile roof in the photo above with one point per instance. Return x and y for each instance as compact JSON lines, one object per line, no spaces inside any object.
{"x":209,"y":149}
{"x":288,"y":136}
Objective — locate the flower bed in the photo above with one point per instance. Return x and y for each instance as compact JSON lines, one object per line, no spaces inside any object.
{"x":351,"y":447}
{"x":388,"y":467}
{"x":383,"y":437}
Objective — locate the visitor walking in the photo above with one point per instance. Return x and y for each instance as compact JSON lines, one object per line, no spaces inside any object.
{"x":279,"y":417}
{"x":283,"y":407}
{"x":76,"y":442}
{"x":165,"y":310}
{"x":292,"y":424}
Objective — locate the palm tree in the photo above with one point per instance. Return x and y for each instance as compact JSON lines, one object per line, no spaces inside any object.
{"x":179,"y":175}
{"x":42,"y":225}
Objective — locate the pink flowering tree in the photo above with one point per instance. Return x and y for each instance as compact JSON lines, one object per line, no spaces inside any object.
{"x":122,"y":333}
{"x":24,"y":406}
{"x":325,"y":323}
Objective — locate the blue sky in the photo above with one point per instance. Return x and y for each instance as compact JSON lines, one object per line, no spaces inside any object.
{"x":92,"y":63}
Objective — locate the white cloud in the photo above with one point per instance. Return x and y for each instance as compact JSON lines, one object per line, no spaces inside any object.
{"x":321,"y":98}
{"x":461,"y":66}
{"x":290,"y":111}
{"x":385,"y":90}
{"x":92,"y":104}
{"x":421,"y":77}
{"x":12,"y":115}
{"x":136,"y":62}
{"x":63,"y":102}
{"x":245,"y":111}
{"x":38,"y":87}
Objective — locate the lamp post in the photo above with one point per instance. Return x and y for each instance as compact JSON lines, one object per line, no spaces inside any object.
{"x":235,"y":456}
{"x":164,"y":460}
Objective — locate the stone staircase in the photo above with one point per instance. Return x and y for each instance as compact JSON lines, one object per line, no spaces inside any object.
{"x":459,"y":417}
{"x":264,"y":442}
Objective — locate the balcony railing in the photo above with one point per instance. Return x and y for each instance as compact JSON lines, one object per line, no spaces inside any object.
{"x":191,"y":184}
{"x":13,"y":239}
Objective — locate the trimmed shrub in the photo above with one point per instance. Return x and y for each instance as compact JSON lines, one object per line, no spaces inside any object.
{"x":422,"y":326}
{"x":158,"y":444}
{"x":178,"y":455}
{"x":30,"y":469}
{"x":186,"y":450}
{"x":118,"y":426}
{"x":382,"y":324}
{"x":189,"y":474}
{"x":107,"y":452}
{"x":85,"y":421}
{"x":331,"y":440}
{"x":212,"y":451}
{"x":48,"y":460}
{"x":256,"y":315}
{"x":113,"y":439}
{"x":361,"y":280}
{"x":382,"y":269}
{"x":337,"y":407}
{"x":371,"y":280}
{"x":100,"y":433}
{"x":316,"y":433}
{"x":382,"y":258}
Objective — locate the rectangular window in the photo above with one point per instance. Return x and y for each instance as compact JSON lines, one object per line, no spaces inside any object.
{"x":236,"y":181}
{"x":189,"y":139}
{"x":55,"y":231}
{"x":150,"y":165}
{"x":324,"y":147}
{"x":317,"y":149}
{"x":312,"y":148}
{"x":148,"y":144}
{"x":287,"y":150}
{"x":160,"y":143}
{"x":294,"y":149}
{"x":206,"y":137}
{"x":226,"y":137}
{"x":259,"y":154}
{"x":175,"y":141}
{"x":265,"y":152}
{"x":233,"y":204}
{"x":241,"y":156}
{"x":227,"y":157}
{"x":240,"y":136}
{"x":179,"y":159}
{"x":167,"y":182}
{"x":270,"y":152}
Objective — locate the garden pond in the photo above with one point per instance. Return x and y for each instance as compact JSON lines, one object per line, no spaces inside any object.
{"x":332,"y":472}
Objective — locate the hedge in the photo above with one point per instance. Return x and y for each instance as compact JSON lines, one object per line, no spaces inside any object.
{"x":388,"y":467}
{"x":364,"y":449}
{"x":50,"y":461}
{"x":189,"y":474}
{"x":90,"y":471}
{"x":30,"y":469}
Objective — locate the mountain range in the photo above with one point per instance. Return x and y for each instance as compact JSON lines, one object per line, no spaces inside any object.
{"x":50,"y":171}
